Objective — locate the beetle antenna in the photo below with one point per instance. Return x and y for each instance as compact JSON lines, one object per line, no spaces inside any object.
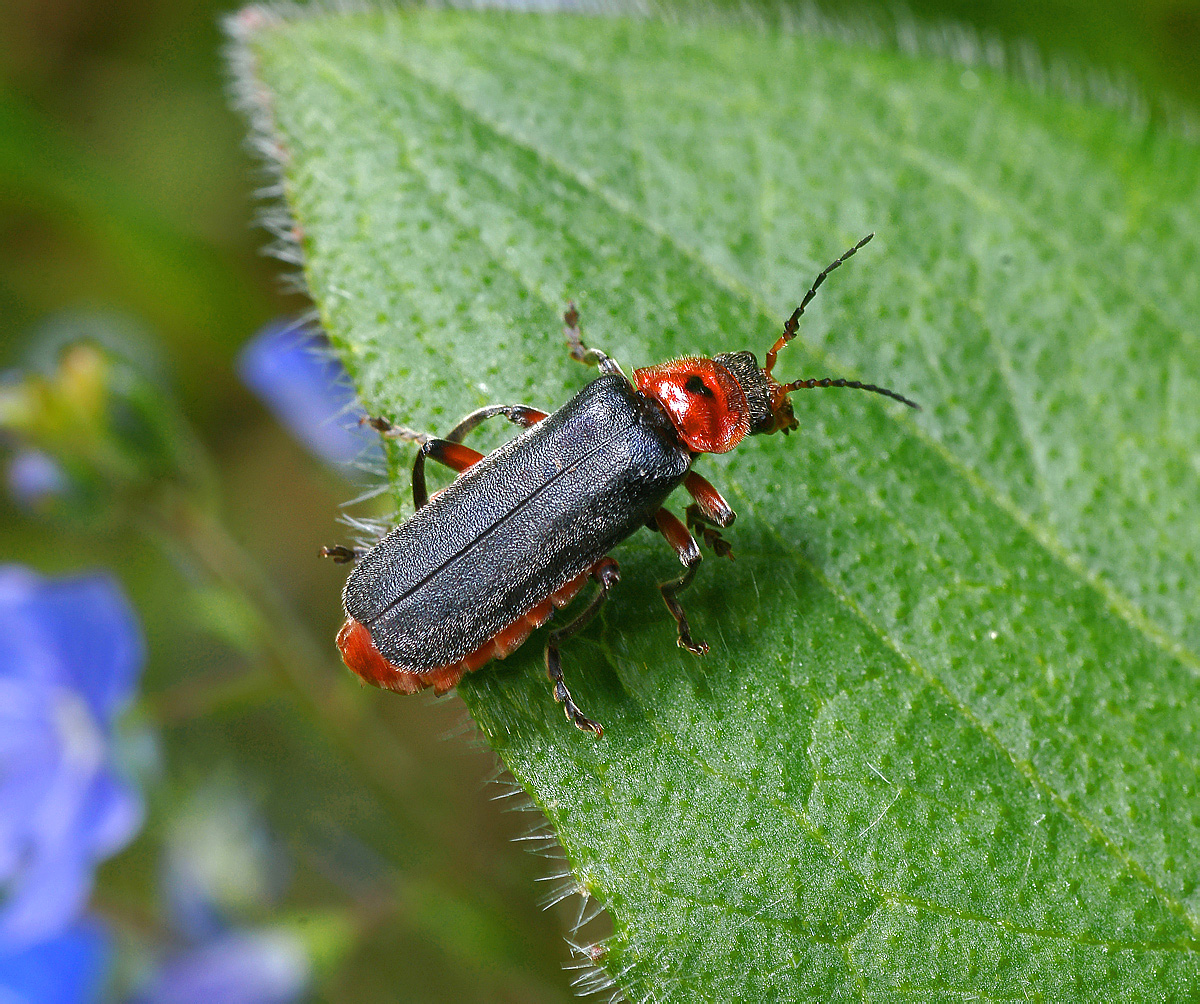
{"x":789,"y":329}
{"x":853,"y":385}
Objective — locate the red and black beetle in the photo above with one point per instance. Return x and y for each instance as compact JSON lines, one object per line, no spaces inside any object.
{"x":519,"y":532}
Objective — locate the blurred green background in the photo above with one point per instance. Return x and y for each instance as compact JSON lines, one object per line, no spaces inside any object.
{"x":126,"y":206}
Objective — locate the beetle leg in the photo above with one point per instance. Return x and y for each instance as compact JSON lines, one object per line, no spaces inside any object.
{"x":448,"y":451}
{"x":390,"y":430}
{"x":341,"y":554}
{"x":607,"y":573}
{"x":689,"y":553}
{"x":454,"y":455}
{"x":518,"y":414}
{"x":708,"y":511}
{"x":582,"y":353}
{"x":709,"y":503}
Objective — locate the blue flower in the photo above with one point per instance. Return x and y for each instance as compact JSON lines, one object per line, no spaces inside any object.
{"x":67,"y":969}
{"x":240,"y":967}
{"x":70,"y":655}
{"x":299,"y":379}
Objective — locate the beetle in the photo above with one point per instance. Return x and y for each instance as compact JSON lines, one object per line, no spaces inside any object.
{"x":518,"y":533}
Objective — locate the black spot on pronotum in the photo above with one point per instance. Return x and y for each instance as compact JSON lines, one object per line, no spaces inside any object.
{"x":695,"y":385}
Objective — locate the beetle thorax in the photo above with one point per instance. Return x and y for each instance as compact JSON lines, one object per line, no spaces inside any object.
{"x":705,"y":402}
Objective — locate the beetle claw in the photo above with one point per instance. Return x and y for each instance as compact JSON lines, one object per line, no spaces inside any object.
{"x":571,"y":709}
{"x":583,"y":723}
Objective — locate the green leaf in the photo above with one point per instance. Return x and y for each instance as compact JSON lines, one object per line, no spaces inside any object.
{"x":945,"y":744}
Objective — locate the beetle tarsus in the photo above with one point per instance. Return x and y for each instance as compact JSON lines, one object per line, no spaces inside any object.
{"x":341,"y":554}
{"x":518,"y":414}
{"x":561,"y":693}
{"x":574,"y":715}
{"x":579,"y":351}
{"x":583,"y":353}
{"x":697,"y":521}
{"x":607,"y":573}
{"x":390,"y":430}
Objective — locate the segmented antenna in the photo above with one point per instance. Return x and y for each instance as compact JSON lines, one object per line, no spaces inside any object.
{"x":789,"y":329}
{"x":853,"y":385}
{"x":793,"y":322}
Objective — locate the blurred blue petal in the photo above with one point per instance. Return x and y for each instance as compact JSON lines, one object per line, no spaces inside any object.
{"x":112,"y":813}
{"x":242,"y":967}
{"x":70,"y":655}
{"x":300,"y":380}
{"x":34,"y":477}
{"x":68,"y":969}
{"x":50,"y":891}
{"x":86,"y":634}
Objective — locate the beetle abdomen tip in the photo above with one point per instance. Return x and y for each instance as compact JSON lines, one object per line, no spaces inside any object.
{"x":359,"y":653}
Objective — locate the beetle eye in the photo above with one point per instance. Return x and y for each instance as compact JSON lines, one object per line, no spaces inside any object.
{"x":695,"y":385}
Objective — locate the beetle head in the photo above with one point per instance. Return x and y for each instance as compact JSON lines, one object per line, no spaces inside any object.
{"x":767,"y":399}
{"x":714,"y":403}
